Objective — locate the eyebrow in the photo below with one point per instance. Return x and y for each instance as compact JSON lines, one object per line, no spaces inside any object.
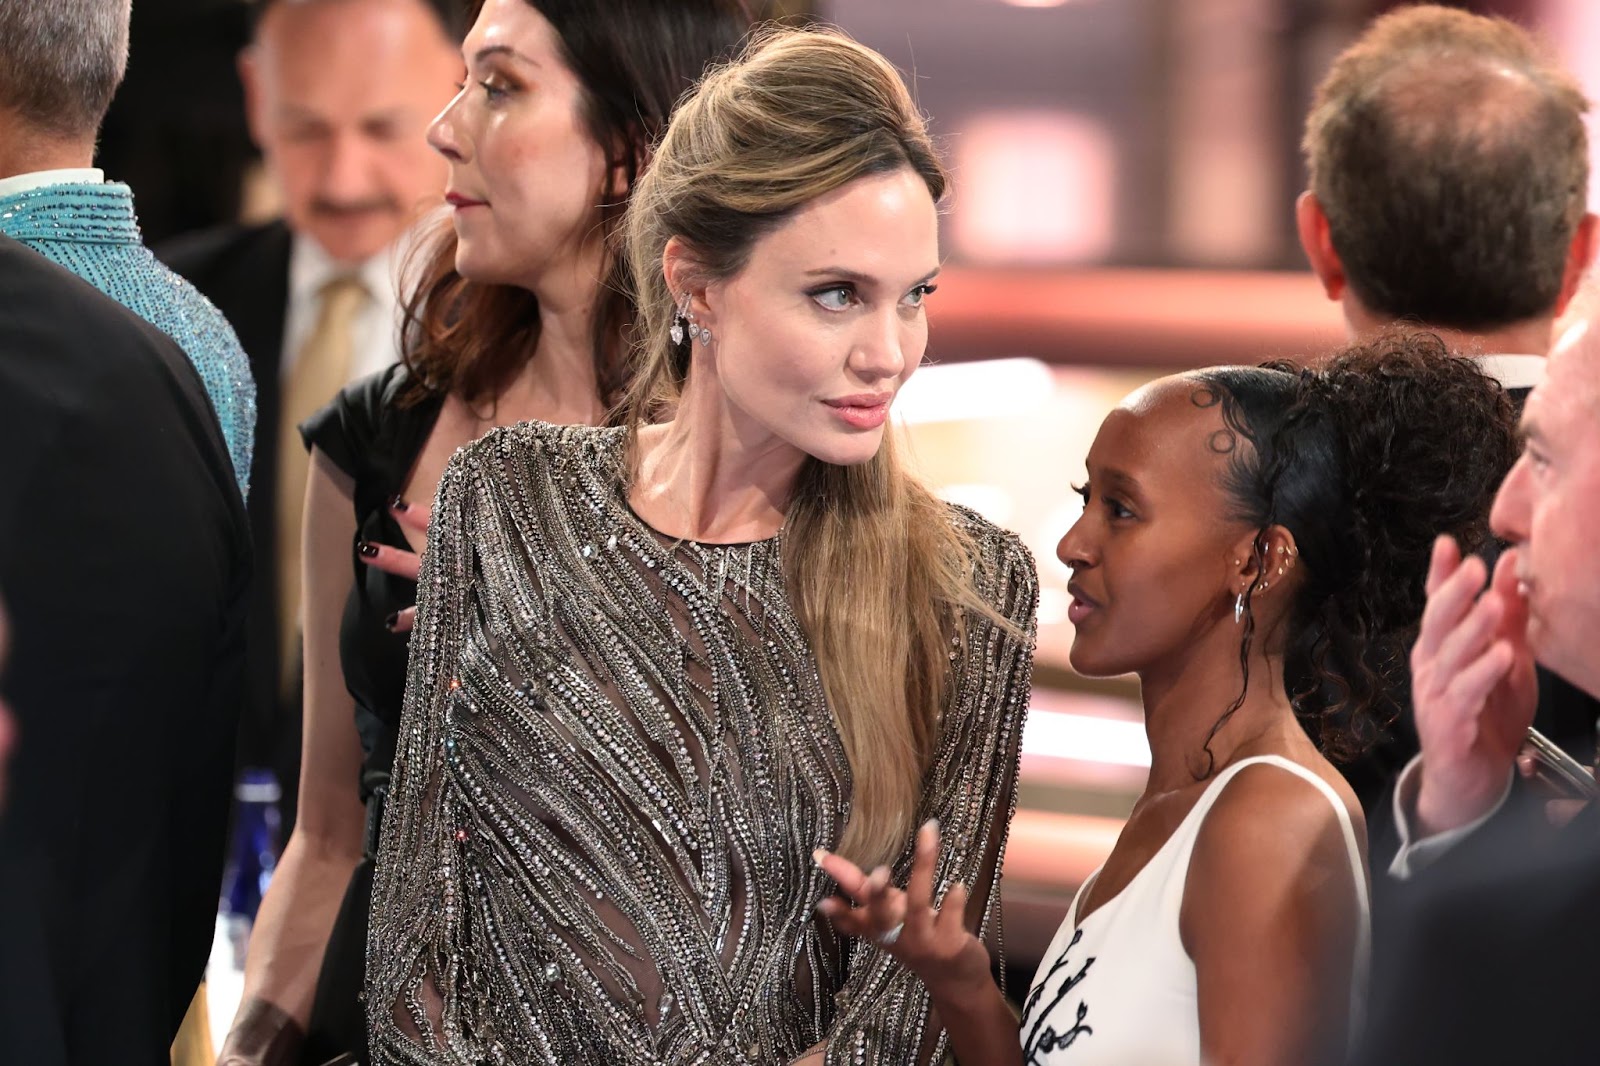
{"x":858,"y":278}
{"x":1121,"y":479}
{"x":502,"y":50}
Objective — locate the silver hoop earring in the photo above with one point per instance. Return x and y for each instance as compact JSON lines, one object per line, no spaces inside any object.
{"x":679,"y":317}
{"x":1238,"y":609}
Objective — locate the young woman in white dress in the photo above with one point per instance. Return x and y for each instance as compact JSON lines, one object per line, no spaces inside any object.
{"x":1253,"y":546}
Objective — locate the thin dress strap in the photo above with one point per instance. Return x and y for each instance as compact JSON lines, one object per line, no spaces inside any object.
{"x":1352,"y":846}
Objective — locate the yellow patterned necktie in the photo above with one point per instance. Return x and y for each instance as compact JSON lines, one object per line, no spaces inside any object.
{"x":320,"y":370}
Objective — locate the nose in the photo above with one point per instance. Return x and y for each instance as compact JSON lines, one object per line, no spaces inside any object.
{"x":1074,"y":549}
{"x":442,"y":134}
{"x":883,"y":348}
{"x":1510,"y":516}
{"x":348,"y":176}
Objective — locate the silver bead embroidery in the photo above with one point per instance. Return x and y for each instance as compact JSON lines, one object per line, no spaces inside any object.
{"x":648,"y":764}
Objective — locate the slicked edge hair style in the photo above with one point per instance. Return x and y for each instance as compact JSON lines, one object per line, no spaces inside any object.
{"x":1365,"y":460}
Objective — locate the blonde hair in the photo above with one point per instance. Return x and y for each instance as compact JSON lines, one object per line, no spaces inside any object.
{"x":879,"y":574}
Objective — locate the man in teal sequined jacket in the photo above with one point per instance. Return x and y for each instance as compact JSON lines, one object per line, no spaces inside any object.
{"x":60,"y":65}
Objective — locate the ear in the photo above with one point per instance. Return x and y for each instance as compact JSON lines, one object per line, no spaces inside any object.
{"x":683,"y":275}
{"x":1317,"y":242}
{"x":249,"y":67}
{"x":638,"y":147}
{"x":1263,"y":559}
{"x":1580,"y":253}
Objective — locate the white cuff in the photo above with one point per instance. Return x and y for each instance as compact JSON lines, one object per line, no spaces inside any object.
{"x":1413,"y":858}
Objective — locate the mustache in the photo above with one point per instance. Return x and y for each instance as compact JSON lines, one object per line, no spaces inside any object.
{"x":354,"y":208}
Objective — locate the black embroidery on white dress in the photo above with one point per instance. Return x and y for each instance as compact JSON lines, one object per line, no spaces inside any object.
{"x":1037,"y":1043}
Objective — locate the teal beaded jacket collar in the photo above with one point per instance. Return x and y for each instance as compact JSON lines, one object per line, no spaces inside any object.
{"x":91,"y":230}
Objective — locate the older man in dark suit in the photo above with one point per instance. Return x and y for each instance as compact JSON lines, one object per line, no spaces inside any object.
{"x":339,"y":94}
{"x":125,"y":564}
{"x":1497,"y":963}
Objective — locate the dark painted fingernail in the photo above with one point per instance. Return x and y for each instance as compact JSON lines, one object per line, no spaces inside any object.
{"x":367,"y":551}
{"x":392,"y":621}
{"x":399,"y":504}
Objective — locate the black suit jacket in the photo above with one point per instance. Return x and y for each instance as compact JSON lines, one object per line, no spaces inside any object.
{"x":1448,"y":953}
{"x":244,"y":270}
{"x":1498,"y":963}
{"x":125,"y":568}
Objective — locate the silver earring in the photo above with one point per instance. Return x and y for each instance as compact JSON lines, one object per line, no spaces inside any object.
{"x":697,"y":332}
{"x":1238,"y":609}
{"x":678,"y":318}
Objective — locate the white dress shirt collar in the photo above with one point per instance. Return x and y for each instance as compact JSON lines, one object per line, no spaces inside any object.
{"x":1513,"y":371}
{"x":377,"y":326}
{"x":37,"y":179}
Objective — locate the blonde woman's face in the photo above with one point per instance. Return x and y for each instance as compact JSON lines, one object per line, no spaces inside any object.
{"x":816,"y":335}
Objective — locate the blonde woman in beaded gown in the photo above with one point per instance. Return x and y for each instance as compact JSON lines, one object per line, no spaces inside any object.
{"x":657,"y":666}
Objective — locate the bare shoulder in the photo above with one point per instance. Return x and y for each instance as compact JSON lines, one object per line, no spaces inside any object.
{"x":1273,"y":854}
{"x":1268,"y":816}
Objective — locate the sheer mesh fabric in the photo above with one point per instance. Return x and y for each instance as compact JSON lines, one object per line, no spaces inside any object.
{"x":614,"y":764}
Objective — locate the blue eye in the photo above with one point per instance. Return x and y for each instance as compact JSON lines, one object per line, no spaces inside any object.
{"x":492,"y":92}
{"x":915,"y":297}
{"x":835,"y":297}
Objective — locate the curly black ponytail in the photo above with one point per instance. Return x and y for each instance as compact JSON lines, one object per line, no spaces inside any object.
{"x":1365,"y":459}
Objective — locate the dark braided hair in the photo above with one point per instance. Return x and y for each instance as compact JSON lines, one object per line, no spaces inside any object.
{"x":1364,"y":459}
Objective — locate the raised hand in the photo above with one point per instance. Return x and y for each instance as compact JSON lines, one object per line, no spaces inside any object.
{"x":932,"y":940}
{"x":928,"y":936}
{"x":1472,"y":685}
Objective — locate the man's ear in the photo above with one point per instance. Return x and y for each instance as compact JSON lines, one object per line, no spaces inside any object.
{"x":1311,"y":222}
{"x":1580,"y":253}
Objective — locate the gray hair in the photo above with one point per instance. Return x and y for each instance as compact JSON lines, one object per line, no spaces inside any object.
{"x":62,"y":60}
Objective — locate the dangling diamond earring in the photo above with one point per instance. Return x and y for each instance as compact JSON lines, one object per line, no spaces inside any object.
{"x":1238,"y":609}
{"x":678,"y":318}
{"x":697,"y":332}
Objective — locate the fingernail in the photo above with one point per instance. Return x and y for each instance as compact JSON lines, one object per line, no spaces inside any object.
{"x":392,"y":621}
{"x":367,"y":551}
{"x":818,"y":855}
{"x":931,"y":823}
{"x":398,"y":503}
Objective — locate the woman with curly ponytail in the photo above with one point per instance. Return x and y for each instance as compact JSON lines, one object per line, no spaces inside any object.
{"x":1253,"y":546}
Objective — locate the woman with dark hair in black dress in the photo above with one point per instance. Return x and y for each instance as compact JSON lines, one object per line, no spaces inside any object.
{"x":516,"y":313}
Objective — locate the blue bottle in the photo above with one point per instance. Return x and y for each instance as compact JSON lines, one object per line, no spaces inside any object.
{"x":254,"y":855}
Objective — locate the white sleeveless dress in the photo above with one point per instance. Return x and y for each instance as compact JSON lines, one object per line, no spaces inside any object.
{"x":1118,"y":989}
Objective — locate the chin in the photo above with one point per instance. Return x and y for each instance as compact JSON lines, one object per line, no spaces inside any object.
{"x":1087,"y":662}
{"x":853,"y":450}
{"x":479,"y":268}
{"x":356,"y":244}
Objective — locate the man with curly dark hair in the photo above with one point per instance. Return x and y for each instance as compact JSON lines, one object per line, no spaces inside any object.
{"x":1448,"y":167}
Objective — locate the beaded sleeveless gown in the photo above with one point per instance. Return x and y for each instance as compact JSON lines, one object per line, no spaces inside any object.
{"x":615,"y":761}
